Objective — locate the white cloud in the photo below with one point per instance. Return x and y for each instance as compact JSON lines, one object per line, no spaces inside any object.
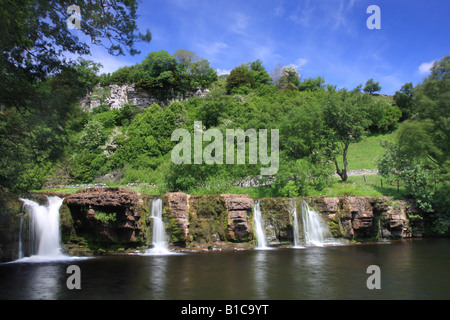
{"x":240,"y":23}
{"x":212,"y":49}
{"x":425,"y":67}
{"x":300,"y":62}
{"x":221,"y":72}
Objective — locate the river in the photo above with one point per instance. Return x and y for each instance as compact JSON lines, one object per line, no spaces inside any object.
{"x":418,"y":269}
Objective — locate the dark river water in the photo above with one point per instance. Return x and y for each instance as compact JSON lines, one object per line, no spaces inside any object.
{"x":417,"y":269}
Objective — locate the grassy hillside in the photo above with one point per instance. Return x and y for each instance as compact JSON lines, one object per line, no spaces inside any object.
{"x":365,"y":154}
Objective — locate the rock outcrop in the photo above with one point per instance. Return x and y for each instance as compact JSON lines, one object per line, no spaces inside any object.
{"x":178,"y":206}
{"x":369,"y":217}
{"x":239,"y":216}
{"x":107,"y":215}
{"x":116,"y":97}
{"x":105,"y":219}
{"x":117,"y":215}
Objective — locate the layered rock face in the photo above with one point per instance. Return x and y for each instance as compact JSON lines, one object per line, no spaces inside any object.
{"x":119,"y":216}
{"x":178,"y":206}
{"x":117,"y":96}
{"x":110,"y":218}
{"x":369,"y":217}
{"x":239,"y":214}
{"x":107,"y":215}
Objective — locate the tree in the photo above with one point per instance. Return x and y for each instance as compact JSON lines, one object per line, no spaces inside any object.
{"x":186,"y":59}
{"x":432,"y":103}
{"x":347,"y":120}
{"x":260,"y":75}
{"x":372,"y":87}
{"x":40,"y":86}
{"x":312,"y":84}
{"x":240,"y":77}
{"x":290,"y":78}
{"x":404,"y":99}
{"x":35,"y":40}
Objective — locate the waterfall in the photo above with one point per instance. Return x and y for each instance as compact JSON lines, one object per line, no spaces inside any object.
{"x":261,"y":242}
{"x":296,"y":227}
{"x":159,"y":241}
{"x":20,"y":234}
{"x":44,"y":228}
{"x":313,"y":227}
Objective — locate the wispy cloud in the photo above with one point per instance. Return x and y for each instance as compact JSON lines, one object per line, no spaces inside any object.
{"x":240,"y":23}
{"x":425,"y":67}
{"x":221,"y":72}
{"x":212,"y":50}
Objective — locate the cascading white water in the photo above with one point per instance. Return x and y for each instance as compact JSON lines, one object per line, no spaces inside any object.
{"x":296,"y":227}
{"x":20,"y":235}
{"x":313,"y":227}
{"x":261,"y":242}
{"x":159,"y":241}
{"x":44,"y":227}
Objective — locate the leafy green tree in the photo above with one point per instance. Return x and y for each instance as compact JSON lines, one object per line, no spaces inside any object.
{"x":348,"y":122}
{"x":312,"y":84}
{"x":372,"y":87}
{"x":40,"y":86}
{"x":36,"y":38}
{"x":240,"y":76}
{"x":433,"y":103}
{"x":416,"y":173}
{"x":289,"y":78}
{"x":384,"y":116}
{"x":93,"y":136}
{"x":260,"y":75}
{"x":194,"y":72}
{"x":404,"y":99}
{"x":158,"y":62}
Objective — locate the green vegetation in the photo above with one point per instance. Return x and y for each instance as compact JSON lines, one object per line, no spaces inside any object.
{"x":47,"y":139}
{"x":105,"y":217}
{"x":366,"y":153}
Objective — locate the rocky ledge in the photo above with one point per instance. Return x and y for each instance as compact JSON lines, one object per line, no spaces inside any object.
{"x":119,"y":215}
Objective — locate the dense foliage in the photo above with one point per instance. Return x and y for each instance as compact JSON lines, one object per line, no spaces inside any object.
{"x":420,"y":156}
{"x":47,"y":139}
{"x":40,"y":86}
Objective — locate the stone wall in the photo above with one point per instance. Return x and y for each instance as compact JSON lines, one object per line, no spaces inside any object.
{"x":117,"y":96}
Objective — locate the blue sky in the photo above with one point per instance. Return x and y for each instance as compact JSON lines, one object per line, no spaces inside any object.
{"x":327,"y":38}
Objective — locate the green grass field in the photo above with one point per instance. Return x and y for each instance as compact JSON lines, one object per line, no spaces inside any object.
{"x":365,"y":154}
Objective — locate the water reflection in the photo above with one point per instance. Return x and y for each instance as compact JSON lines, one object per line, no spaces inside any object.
{"x":158,"y":277}
{"x":317,"y":273}
{"x":45,"y":282}
{"x":261,"y":270}
{"x":416,"y":270}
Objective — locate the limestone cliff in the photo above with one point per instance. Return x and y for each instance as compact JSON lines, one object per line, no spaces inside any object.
{"x":117,"y":96}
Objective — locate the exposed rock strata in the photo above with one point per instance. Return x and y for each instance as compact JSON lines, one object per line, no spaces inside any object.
{"x":239,"y":212}
{"x":109,"y":215}
{"x":119,"y":217}
{"x":117,"y":96}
